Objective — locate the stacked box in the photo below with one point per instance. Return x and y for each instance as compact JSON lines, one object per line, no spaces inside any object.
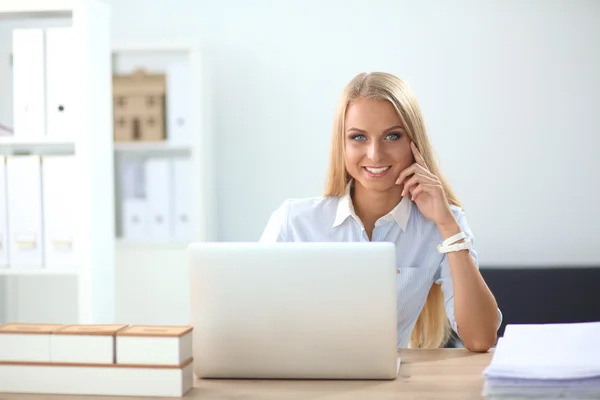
{"x":151,"y":345}
{"x":26,"y":342}
{"x":110,"y":360}
{"x":87,"y":344}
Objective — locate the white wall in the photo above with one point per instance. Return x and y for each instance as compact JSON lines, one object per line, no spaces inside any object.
{"x":509,"y":91}
{"x":152,"y":285}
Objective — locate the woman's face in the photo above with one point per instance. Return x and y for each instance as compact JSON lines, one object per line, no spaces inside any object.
{"x":377,"y":146}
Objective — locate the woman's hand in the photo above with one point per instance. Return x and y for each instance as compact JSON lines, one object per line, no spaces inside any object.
{"x":426,"y":191}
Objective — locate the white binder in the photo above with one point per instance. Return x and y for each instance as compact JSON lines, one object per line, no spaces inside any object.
{"x":134,"y":220}
{"x":29,"y":116}
{"x":59,"y":205}
{"x":3,"y":215}
{"x":182,"y":195}
{"x":59,"y":82}
{"x":158,"y":198}
{"x":134,"y":224}
{"x":24,"y":211}
{"x":179,"y":107}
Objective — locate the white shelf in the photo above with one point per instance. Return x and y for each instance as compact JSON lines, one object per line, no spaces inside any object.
{"x":132,"y":244}
{"x":10,"y":145}
{"x":155,"y":47}
{"x":37,"y":8}
{"x":152,"y":148}
{"x":36,"y":272}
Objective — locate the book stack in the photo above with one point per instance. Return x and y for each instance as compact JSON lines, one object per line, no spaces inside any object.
{"x":119,"y":360}
{"x":547,"y":361}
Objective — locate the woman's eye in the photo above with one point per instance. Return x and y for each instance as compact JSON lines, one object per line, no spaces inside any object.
{"x":394,"y":136}
{"x":358,"y":137}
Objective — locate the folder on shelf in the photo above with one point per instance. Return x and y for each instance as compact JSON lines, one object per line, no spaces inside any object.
{"x":131,"y":177}
{"x":59,"y":82}
{"x":59,"y":205}
{"x":158,"y":198}
{"x":179,"y":103}
{"x":23,"y":175}
{"x":28,"y":82}
{"x":182,"y":198}
{"x":134,"y":219}
{"x":131,"y":194}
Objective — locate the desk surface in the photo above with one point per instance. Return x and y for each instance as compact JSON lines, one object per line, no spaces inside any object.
{"x":424,"y":374}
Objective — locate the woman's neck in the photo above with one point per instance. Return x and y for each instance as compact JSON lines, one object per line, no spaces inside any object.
{"x":370,"y":205}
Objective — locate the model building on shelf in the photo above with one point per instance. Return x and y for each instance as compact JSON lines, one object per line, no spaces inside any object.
{"x":139,"y":107}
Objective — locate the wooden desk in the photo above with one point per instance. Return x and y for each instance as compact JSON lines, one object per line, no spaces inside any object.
{"x":424,"y":374}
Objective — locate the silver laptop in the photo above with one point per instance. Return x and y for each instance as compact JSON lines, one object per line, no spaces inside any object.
{"x":294,"y":310}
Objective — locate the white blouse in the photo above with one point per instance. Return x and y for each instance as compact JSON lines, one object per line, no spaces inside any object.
{"x":332,"y":219}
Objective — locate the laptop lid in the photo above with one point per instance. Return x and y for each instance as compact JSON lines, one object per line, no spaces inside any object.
{"x":294,"y":310}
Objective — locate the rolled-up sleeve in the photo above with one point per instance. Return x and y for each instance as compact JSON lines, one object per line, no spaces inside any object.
{"x":444,"y":276}
{"x":277,"y":226}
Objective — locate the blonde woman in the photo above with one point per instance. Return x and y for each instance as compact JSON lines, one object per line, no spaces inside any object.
{"x":383,"y":185}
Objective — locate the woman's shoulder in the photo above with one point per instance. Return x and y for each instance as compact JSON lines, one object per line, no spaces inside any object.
{"x":302,"y":217}
{"x":308,"y":206}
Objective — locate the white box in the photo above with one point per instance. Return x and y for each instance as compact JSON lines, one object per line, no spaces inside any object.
{"x":59,"y":204}
{"x":25,"y":342}
{"x":3,"y":215}
{"x":179,"y":103}
{"x":154,"y":345}
{"x":24,"y":198}
{"x":157,"y":179}
{"x":84,"y":344}
{"x":182,"y":198}
{"x":29,"y":116}
{"x":96,"y":380}
{"x":59,"y":82}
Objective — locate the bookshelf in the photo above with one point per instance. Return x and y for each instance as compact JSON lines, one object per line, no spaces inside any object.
{"x":88,"y":140}
{"x":158,"y":266}
{"x":194,"y":146}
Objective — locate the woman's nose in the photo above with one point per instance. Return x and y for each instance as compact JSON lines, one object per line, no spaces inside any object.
{"x":374,"y":152}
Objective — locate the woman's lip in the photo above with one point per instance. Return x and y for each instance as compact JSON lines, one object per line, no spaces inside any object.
{"x":377,"y":172}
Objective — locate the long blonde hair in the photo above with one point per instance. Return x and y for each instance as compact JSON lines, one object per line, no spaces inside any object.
{"x":431,"y":328}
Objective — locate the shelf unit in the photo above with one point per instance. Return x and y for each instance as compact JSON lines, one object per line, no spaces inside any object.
{"x":90,"y":144}
{"x":155,"y":57}
{"x":145,"y":263}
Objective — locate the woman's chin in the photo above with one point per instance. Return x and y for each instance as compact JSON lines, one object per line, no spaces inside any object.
{"x":378,"y":184}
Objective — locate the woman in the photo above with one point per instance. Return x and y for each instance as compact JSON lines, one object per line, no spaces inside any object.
{"x":383,"y":185}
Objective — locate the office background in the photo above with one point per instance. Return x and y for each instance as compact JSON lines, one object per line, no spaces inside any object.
{"x":509,"y":91}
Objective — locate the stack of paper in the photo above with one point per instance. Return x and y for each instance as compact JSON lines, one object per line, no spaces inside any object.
{"x":546,"y":361}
